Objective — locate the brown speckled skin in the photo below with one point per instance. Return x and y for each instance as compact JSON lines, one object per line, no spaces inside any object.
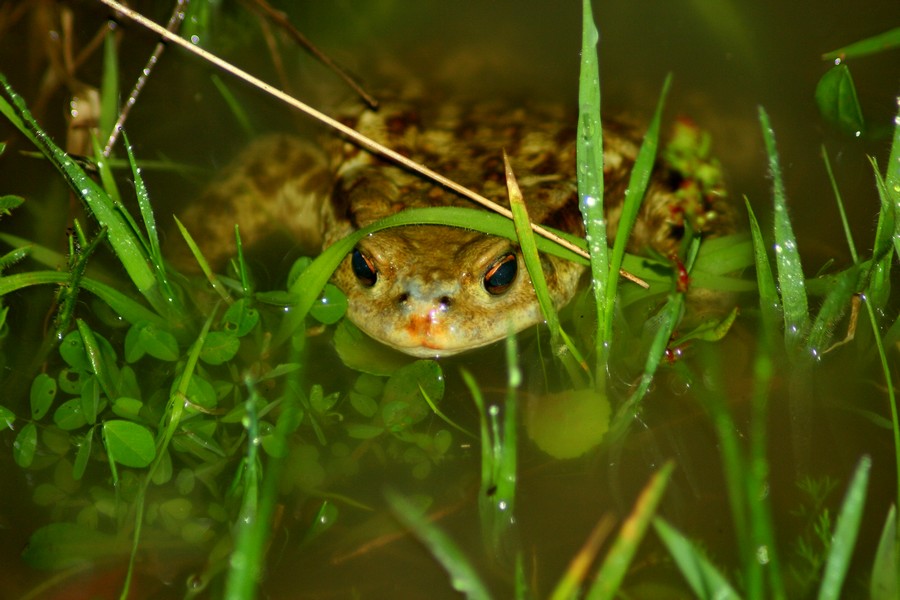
{"x":429,"y":298}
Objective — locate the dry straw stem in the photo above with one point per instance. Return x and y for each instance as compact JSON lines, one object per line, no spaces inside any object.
{"x":350,"y":133}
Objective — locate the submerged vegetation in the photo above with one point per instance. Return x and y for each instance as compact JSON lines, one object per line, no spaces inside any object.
{"x":168,"y":417}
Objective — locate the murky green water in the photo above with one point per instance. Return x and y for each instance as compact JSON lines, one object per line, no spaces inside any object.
{"x":727,"y":60}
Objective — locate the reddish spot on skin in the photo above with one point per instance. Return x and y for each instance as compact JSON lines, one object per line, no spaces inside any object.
{"x":425,"y":330}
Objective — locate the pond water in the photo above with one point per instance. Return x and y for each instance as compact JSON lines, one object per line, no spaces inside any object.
{"x":727,"y":59}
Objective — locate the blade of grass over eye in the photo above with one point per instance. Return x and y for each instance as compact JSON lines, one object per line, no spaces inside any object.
{"x":589,"y":148}
{"x":706,"y":581}
{"x":463,"y":576}
{"x":870,"y":45}
{"x":522,"y":223}
{"x":787,"y":255}
{"x":634,"y":195}
{"x":126,"y":246}
{"x":845,"y":533}
{"x":528,"y":245}
{"x":615,"y":565}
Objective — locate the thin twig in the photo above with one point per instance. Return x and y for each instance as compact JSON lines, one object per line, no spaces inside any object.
{"x":358,"y":138}
{"x":281,"y":19}
{"x":171,"y":26}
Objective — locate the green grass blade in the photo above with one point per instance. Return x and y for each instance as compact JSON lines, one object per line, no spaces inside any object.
{"x":526,"y":238}
{"x":589,"y":148}
{"x":522,"y":223}
{"x":845,"y":533}
{"x":634,"y":196}
{"x":109,"y":88}
{"x":851,"y":245}
{"x":870,"y":45}
{"x":463,"y":576}
{"x":879,"y":290}
{"x":245,"y":570}
{"x":615,"y":565}
{"x":787,"y":256}
{"x":705,"y":580}
{"x":237,"y":110}
{"x":884,"y":583}
{"x":124,"y":306}
{"x":143,"y":198}
{"x":126,"y":246}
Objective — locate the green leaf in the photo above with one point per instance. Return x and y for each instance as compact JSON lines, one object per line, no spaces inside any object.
{"x":85,"y":445}
{"x":402,"y":403}
{"x":330,"y":307}
{"x":364,"y":405}
{"x":72,"y":351}
{"x":150,"y":339}
{"x":362,"y":431}
{"x":361,"y":353}
{"x":66,"y":545}
{"x":240,"y":318}
{"x":219,"y":347}
{"x":567,"y":424}
{"x":8,"y":202}
{"x":25,"y":446}
{"x":70,"y":415}
{"x":128,"y":443}
{"x":43,"y":392}
{"x":101,"y":356}
{"x":837,"y":101}
{"x":72,"y":380}
{"x":703,"y":577}
{"x":7,"y":417}
{"x":90,"y":400}
{"x":128,"y":408}
{"x":845,"y":533}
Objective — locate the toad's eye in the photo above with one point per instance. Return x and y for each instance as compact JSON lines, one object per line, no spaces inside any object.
{"x":501,"y":274}
{"x":363,"y":268}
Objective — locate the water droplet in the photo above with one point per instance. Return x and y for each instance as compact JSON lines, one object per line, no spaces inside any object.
{"x":195,"y":39}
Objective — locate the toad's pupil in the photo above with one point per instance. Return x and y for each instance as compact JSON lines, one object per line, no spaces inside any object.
{"x":501,"y":274}
{"x":363,"y":268}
